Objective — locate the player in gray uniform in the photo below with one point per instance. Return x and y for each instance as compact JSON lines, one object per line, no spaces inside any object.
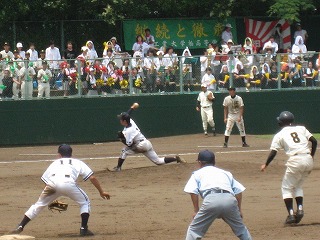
{"x":60,"y":179}
{"x":222,"y":196}
{"x":233,"y":113}
{"x":294,"y":140}
{"x":136,"y":142}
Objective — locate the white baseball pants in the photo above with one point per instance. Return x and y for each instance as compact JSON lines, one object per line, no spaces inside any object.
{"x":230,"y":123}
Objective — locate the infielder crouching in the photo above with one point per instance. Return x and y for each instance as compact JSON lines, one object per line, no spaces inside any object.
{"x":204,"y":105}
{"x":60,"y":179}
{"x":136,"y":142}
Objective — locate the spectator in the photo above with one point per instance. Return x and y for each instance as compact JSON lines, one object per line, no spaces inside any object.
{"x":226,"y":34}
{"x":38,"y":64}
{"x":285,"y":80}
{"x":92,"y":53}
{"x":7,"y":81}
{"x":140,"y":45}
{"x":6,"y":53}
{"x":296,"y":74}
{"x":170,"y":61}
{"x":44,"y":75}
{"x":271,"y":44}
{"x":300,"y":32}
{"x":223,"y":77}
{"x":265,"y":75}
{"x":227,"y":48}
{"x":273,"y":80}
{"x":187,"y":67}
{"x":209,"y":80}
{"x":247,"y":60}
{"x":109,"y":57}
{"x":53,"y":57}
{"x":249,"y":45}
{"x":20,"y":51}
{"x":149,"y":38}
{"x":204,"y":63}
{"x":278,"y":36}
{"x":116,"y":47}
{"x":255,"y":77}
{"x":136,"y":80}
{"x":70,"y":54}
{"x":91,"y":81}
{"x":82,"y":61}
{"x":27,"y":81}
{"x":33,"y":52}
{"x":298,"y":48}
{"x":15,"y":69}
{"x":151,"y":65}
{"x":239,"y":76}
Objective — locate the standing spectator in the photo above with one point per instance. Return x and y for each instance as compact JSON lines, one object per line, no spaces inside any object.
{"x":209,"y":80}
{"x":300,"y":32}
{"x":20,"y":51}
{"x":33,"y":52}
{"x":222,"y":197}
{"x":53,"y":57}
{"x":296,"y":74}
{"x":15,"y":69}
{"x":151,"y":66}
{"x":170,"y":61}
{"x":92,"y":83}
{"x":81,"y":61}
{"x":309,"y":74}
{"x":70,"y":54}
{"x":226,"y":34}
{"x":187,"y":65}
{"x":92,"y":53}
{"x":295,"y":142}
{"x":298,"y":48}
{"x":6,"y":53}
{"x":44,"y":75}
{"x":204,"y":63}
{"x":204,"y":105}
{"x":116,"y":47}
{"x":38,"y":64}
{"x":278,"y":37}
{"x":149,"y":38}
{"x":233,"y":113}
{"x":7,"y":81}
{"x":27,"y":81}
{"x":140,"y":45}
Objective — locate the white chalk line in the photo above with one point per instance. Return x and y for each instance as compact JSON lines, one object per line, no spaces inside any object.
{"x":137,"y":156}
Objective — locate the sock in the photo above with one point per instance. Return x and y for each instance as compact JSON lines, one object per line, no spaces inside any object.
{"x":24,"y":221}
{"x":120,"y":162}
{"x":84,"y":220}
{"x":170,"y":159}
{"x":243,"y":139}
{"x":226,"y":139}
{"x":289,"y":205}
{"x":299,"y":201}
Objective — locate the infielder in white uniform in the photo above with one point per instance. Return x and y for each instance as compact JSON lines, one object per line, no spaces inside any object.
{"x":204,"y":105}
{"x":233,"y":113}
{"x":294,"y":141}
{"x":222,"y":196}
{"x":136,"y":142}
{"x":60,"y":179}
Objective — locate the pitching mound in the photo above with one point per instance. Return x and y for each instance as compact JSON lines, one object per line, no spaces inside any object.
{"x":16,"y":236}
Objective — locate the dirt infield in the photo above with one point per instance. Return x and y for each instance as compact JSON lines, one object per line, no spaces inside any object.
{"x":148,"y":201}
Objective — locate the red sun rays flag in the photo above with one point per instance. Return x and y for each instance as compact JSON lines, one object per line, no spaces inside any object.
{"x":260,"y":31}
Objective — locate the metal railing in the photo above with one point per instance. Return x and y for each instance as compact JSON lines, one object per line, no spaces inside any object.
{"x":124,"y":75}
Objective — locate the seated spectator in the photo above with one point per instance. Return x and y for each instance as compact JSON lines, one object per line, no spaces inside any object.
{"x":249,"y":45}
{"x":298,"y":48}
{"x":247,"y":60}
{"x":187,"y":67}
{"x":254,"y":77}
{"x":310,"y":74}
{"x":265,"y":75}
{"x":285,"y":71}
{"x":239,"y":78}
{"x":223,"y":77}
{"x":227,"y":48}
{"x":273,"y":80}
{"x":116,"y":47}
{"x":296,"y":74}
{"x":271,"y":44}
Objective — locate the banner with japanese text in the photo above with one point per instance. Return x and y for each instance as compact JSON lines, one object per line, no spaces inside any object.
{"x":192,"y":33}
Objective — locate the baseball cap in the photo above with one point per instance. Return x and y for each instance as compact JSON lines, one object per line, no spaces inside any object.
{"x":124,"y":116}
{"x":65,"y":150}
{"x":231,"y":88}
{"x":42,"y":51}
{"x":19,"y":44}
{"x":228,"y":25}
{"x":6,"y":44}
{"x":203,"y":85}
{"x":230,"y":41}
{"x":113,"y":38}
{"x":206,"y":156}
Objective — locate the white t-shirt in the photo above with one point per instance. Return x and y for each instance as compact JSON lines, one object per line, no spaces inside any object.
{"x":71,"y":167}
{"x":301,"y":33}
{"x":292,"y":139}
{"x":210,"y":177}
{"x":233,"y":104}
{"x":207,"y":79}
{"x":203,"y":99}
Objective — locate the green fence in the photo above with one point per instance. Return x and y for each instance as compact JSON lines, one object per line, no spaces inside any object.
{"x":94,"y":119}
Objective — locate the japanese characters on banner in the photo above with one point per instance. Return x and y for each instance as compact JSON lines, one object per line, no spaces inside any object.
{"x":191,"y":33}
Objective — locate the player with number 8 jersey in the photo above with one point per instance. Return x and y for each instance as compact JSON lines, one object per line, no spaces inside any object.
{"x":294,"y":140}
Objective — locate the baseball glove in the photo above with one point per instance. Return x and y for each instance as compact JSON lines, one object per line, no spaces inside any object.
{"x":121,"y":137}
{"x":58,"y":206}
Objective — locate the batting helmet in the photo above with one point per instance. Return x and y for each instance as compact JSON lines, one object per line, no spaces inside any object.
{"x":285,"y":118}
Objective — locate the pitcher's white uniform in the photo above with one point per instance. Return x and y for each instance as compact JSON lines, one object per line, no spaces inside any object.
{"x":294,"y":141}
{"x":234,"y":105}
{"x":138,"y":144}
{"x":60,"y":179}
{"x":206,"y":109}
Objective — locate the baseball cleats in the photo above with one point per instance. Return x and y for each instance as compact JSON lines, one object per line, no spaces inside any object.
{"x":225,"y":145}
{"x":291,"y":219}
{"x":85,"y":232}
{"x":180,"y":159}
{"x":18,"y":230}
{"x":299,"y":215}
{"x":206,"y":133}
{"x":245,"y":145}
{"x":214,"y":132}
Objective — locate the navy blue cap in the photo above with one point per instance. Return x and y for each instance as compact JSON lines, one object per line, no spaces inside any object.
{"x":206,"y":156}
{"x":124,"y":116}
{"x":65,"y":150}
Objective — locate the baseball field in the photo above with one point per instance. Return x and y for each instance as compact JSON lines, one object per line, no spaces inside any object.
{"x":147,"y":201}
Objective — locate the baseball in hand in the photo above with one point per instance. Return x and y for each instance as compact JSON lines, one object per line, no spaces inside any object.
{"x":135,"y":105}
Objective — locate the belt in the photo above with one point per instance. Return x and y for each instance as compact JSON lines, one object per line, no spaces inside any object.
{"x":67,"y":176}
{"x":214,"y":191}
{"x":141,"y":140}
{"x":206,"y":106}
{"x":301,"y":154}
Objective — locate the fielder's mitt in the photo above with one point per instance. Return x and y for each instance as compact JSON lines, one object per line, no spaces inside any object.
{"x":58,"y":206}
{"x":121,"y":137}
